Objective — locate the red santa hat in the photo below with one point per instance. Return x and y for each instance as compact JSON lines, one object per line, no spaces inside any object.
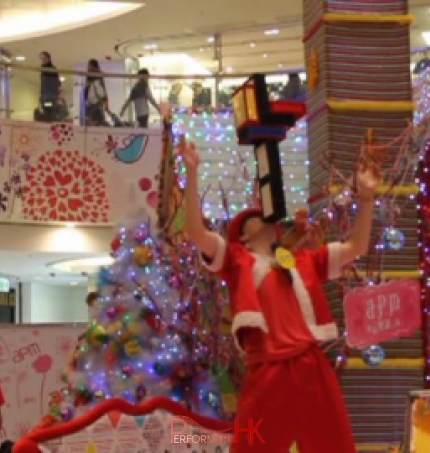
{"x":235,"y":226}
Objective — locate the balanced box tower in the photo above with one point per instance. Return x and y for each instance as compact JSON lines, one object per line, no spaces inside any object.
{"x":264,"y":123}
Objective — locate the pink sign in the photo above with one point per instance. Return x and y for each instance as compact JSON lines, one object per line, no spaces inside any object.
{"x":382,"y":312}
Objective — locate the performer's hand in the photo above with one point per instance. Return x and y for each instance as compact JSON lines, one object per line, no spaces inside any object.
{"x":317,"y":233}
{"x":189,"y":154}
{"x":368,"y":175}
{"x":368,"y":178}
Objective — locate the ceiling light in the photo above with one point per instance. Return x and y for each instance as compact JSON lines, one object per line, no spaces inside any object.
{"x":426,"y":37}
{"x":38,"y":21}
{"x":252,"y":44}
{"x":20,"y":58}
{"x":150,"y":46}
{"x":62,"y":79}
{"x":211,"y":39}
{"x":202,"y":49}
{"x":229,"y":69}
{"x":271,"y":32}
{"x":74,"y":283}
{"x":264,"y":55}
{"x":280,"y":65}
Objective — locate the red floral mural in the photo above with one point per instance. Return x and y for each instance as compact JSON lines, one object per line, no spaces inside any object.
{"x":65,"y":186}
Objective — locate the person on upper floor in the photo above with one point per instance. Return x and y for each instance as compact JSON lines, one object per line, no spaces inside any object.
{"x":294,"y":90}
{"x":49,"y":79}
{"x":141,"y":96}
{"x":95,"y":94}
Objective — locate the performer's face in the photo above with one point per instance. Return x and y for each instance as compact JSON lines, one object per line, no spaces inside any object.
{"x":255,"y":230}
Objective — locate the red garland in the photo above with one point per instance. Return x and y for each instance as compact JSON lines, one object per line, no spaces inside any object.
{"x":29,"y":443}
{"x":423,"y":213}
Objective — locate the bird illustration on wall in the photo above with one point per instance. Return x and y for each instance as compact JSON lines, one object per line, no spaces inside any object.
{"x":133,"y":150}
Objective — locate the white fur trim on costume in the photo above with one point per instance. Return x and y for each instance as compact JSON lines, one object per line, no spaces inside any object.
{"x":261,"y":267}
{"x":247,"y":319}
{"x":303,"y":297}
{"x":320,"y":332}
{"x":334,"y":264}
{"x":218,"y":260}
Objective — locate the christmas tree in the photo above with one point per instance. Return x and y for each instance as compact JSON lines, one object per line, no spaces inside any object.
{"x":160,"y":328}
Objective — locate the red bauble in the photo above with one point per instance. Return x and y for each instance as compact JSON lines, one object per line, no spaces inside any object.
{"x":115,"y":244}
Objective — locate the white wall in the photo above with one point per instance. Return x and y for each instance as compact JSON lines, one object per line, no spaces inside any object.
{"x":55,"y":238}
{"x":53,"y":304}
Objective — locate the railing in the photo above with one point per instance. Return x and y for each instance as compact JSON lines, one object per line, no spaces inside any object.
{"x":202,"y":112}
{"x":20,"y":92}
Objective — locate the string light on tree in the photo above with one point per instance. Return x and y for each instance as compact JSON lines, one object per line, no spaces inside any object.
{"x":423,"y":208}
{"x":421,"y":92}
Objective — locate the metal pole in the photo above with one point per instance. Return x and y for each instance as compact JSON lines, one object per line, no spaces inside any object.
{"x":4,"y":85}
{"x":218,"y":58}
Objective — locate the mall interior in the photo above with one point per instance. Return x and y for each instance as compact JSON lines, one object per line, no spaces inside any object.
{"x":338,"y":79}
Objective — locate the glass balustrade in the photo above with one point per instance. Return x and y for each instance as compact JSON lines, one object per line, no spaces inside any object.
{"x":202,"y":109}
{"x":21,"y":94}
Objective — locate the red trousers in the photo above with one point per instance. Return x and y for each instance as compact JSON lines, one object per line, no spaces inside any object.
{"x":293,"y":400}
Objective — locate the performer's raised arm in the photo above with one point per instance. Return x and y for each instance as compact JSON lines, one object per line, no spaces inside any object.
{"x":367,"y":179}
{"x":204,"y":239}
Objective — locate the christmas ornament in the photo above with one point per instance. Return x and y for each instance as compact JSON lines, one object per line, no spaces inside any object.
{"x":135,"y":327}
{"x":127,"y":371}
{"x":140,"y":393}
{"x":373,"y":355}
{"x":393,"y":238}
{"x":142,"y":255}
{"x":132,"y":348}
{"x":214,"y":400}
{"x":66,"y":413}
{"x":126,"y":335}
{"x":115,"y":244}
{"x":114,"y":329}
{"x":111,"y":312}
{"x":174,"y":281}
{"x":105,"y":277}
{"x":159,"y":368}
{"x":99,"y":395}
{"x":97,"y":335}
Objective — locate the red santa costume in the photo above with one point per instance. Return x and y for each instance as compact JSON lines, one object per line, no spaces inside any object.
{"x":289,"y":389}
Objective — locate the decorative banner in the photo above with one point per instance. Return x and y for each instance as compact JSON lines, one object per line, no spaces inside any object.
{"x":382,"y":312}
{"x":160,"y":432}
{"x":62,"y":172}
{"x":32,"y":359}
